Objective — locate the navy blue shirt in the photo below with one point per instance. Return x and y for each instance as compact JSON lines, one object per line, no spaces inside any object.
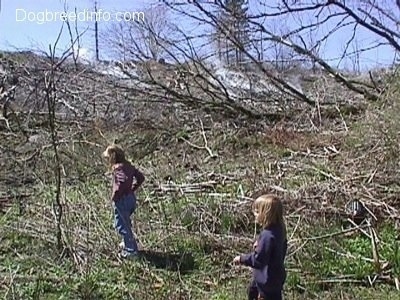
{"x":267,"y":260}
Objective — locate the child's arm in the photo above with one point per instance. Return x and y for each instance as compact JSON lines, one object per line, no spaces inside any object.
{"x":119,"y":178}
{"x":261,"y":255}
{"x":139,"y":179}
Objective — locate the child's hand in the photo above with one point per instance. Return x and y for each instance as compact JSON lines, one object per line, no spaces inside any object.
{"x":236,"y":260}
{"x":255,"y":245}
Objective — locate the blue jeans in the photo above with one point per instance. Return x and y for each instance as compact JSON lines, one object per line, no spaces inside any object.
{"x":123,"y":209}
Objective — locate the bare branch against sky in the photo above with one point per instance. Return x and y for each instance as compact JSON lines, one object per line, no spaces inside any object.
{"x":177,"y":47}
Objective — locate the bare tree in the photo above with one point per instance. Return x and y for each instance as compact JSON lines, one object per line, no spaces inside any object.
{"x":96,"y":31}
{"x":376,"y":20}
{"x":233,"y":14}
{"x":279,"y":56}
{"x":355,"y":58}
{"x":74,"y":35}
{"x":203,"y":85}
{"x":50,"y":80}
{"x":142,"y":37}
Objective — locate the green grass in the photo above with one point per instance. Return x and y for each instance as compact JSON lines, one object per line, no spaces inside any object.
{"x":33,"y":269}
{"x":194,"y":236}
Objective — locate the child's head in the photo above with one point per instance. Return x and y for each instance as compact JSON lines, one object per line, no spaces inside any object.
{"x":268,"y":210}
{"x":114,"y":155}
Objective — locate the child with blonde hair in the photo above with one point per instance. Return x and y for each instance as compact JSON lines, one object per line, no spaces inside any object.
{"x":267,"y":259}
{"x":126,"y":179}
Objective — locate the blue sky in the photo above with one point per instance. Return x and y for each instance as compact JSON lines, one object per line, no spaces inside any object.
{"x":24,"y":34}
{"x":20,"y":33}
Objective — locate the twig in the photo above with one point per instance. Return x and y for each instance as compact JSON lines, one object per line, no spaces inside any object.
{"x":373,"y":280}
{"x":371,"y":177}
{"x":295,"y":228}
{"x":13,"y":274}
{"x":331,"y":234}
{"x":357,"y":226}
{"x":375,"y":252}
{"x":339,"y":280}
{"x":341,"y":116}
{"x":348,"y":255}
{"x":6,"y":121}
{"x":297,"y":249}
{"x":328,"y":175}
{"x":203,"y":133}
{"x":205,"y":147}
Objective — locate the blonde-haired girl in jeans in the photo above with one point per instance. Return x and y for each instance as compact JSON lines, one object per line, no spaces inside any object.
{"x":126,"y":179}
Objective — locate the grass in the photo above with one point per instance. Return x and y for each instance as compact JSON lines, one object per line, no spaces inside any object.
{"x":32,"y":269}
{"x":194,"y":215}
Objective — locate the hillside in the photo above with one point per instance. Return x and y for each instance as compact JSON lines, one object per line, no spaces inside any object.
{"x":204,"y":156}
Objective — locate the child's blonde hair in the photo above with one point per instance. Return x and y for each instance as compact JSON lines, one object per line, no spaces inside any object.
{"x":114,"y":155}
{"x":268,"y":210}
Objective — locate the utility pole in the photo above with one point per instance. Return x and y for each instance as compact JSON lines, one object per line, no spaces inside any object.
{"x":96,"y":31}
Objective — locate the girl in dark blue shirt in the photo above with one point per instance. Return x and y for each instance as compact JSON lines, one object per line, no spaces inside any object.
{"x":267,"y":259}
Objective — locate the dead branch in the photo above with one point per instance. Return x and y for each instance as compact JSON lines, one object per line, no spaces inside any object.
{"x":205,"y":147}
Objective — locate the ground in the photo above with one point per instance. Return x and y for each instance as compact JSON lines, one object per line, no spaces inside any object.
{"x":194,"y":210}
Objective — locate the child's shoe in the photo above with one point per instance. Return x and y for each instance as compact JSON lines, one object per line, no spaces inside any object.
{"x":121,"y":245}
{"x":128,"y":255}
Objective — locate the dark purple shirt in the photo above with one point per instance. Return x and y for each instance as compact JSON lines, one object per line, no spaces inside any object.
{"x":124,"y":176}
{"x":267,"y":260}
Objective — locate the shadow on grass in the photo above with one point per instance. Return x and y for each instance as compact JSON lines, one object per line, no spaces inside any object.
{"x":182,"y":262}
